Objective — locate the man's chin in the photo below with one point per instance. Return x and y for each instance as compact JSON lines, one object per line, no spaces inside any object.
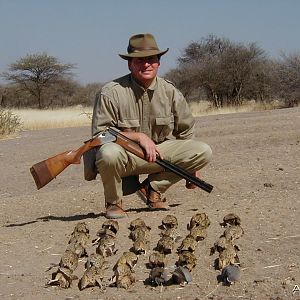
{"x":147,"y":75}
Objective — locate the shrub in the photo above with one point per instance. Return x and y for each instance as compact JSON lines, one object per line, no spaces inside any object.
{"x":9,"y":123}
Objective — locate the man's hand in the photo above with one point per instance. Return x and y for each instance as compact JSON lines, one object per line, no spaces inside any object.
{"x":151,"y":150}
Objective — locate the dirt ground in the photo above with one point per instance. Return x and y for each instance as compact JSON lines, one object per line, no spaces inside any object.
{"x":255,"y":172}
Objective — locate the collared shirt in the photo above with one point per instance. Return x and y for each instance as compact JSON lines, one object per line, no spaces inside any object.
{"x":159,"y":111}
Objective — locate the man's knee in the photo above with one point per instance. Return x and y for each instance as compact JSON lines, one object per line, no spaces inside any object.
{"x":203,"y":153}
{"x":110,"y":154}
{"x":206,"y":152}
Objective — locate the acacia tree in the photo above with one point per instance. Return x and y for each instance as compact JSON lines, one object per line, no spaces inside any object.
{"x":223,"y":69}
{"x":240,"y":63}
{"x":288,"y":78}
{"x":37,"y":72}
{"x":204,"y":59}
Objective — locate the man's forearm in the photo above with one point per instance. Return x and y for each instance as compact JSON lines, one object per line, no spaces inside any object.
{"x":134,"y":136}
{"x":151,"y":150}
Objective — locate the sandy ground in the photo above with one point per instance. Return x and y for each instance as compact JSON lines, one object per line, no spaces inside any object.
{"x":255,"y":172}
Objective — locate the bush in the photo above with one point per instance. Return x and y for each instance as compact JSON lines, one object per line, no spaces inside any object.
{"x":9,"y":123}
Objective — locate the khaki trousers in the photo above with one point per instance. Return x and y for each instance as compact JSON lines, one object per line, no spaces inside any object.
{"x":114,"y":162}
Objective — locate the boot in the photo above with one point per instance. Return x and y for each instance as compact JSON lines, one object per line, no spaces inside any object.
{"x":151,"y":197}
{"x":115,"y":210}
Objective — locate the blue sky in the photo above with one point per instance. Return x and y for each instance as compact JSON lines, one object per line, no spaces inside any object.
{"x":91,"y":33}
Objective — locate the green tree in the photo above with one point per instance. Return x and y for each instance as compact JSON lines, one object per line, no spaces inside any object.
{"x":221,"y":68}
{"x":37,"y":72}
{"x":288,"y":78}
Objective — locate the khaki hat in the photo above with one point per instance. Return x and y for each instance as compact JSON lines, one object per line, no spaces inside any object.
{"x":142,"y":45}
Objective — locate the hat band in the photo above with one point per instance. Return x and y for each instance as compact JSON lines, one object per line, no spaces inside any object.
{"x":143,"y":49}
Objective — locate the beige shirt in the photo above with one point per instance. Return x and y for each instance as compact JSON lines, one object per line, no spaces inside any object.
{"x":160,"y":111}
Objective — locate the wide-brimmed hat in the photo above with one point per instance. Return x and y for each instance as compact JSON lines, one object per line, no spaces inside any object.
{"x":142,"y":45}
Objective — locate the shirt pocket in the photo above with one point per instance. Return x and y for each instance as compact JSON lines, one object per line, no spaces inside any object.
{"x":164,"y":127}
{"x":129,"y":123}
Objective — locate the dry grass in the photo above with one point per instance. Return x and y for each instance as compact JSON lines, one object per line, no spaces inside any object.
{"x":34,"y":119}
{"x":204,"y":108}
{"x":9,"y":123}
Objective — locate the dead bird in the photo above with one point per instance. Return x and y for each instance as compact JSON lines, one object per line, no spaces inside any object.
{"x":165,"y":245}
{"x":101,"y":233}
{"x":188,"y":244}
{"x":137,"y":223}
{"x":77,"y":247}
{"x":158,"y":276}
{"x":227,"y":257}
{"x":112,"y":225}
{"x":169,"y":221}
{"x":181,"y":275}
{"x":230,"y":274}
{"x":105,"y":231}
{"x":142,"y":232}
{"x":187,"y":259}
{"x":221,"y":244}
{"x":120,"y":270}
{"x":62,"y":277}
{"x":127,"y":258}
{"x":200,"y":219}
{"x":123,"y":276}
{"x":96,"y":260}
{"x":172,"y":233}
{"x":69,"y":260}
{"x":198,"y":233}
{"x":233,"y":232}
{"x":140,"y":246}
{"x":231,"y":219}
{"x":156,"y":259}
{"x":125,"y":281}
{"x":79,"y":237}
{"x":81,"y":227}
{"x":106,"y":246}
{"x":92,"y":276}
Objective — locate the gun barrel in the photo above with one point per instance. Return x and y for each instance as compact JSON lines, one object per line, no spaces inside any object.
{"x":184,"y":174}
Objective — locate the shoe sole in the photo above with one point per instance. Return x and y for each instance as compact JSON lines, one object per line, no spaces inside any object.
{"x":162,"y":208}
{"x":115,"y":216}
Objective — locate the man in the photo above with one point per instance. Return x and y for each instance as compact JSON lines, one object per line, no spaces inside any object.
{"x":152,"y":112}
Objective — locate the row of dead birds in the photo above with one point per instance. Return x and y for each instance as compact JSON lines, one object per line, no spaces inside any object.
{"x":76,"y":249}
{"x":95,"y":263}
{"x":124,"y":276}
{"x":186,"y":257}
{"x":228,"y":261}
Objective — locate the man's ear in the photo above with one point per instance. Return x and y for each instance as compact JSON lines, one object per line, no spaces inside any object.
{"x":129,"y":64}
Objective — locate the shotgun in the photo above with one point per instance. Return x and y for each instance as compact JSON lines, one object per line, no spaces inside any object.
{"x":43,"y":172}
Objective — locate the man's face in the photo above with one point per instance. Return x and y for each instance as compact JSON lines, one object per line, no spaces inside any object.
{"x":144,"y":69}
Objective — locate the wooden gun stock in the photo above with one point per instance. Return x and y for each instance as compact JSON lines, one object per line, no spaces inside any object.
{"x":43,"y":172}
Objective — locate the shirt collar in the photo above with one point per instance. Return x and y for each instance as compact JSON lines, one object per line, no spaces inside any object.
{"x":137,"y":86}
